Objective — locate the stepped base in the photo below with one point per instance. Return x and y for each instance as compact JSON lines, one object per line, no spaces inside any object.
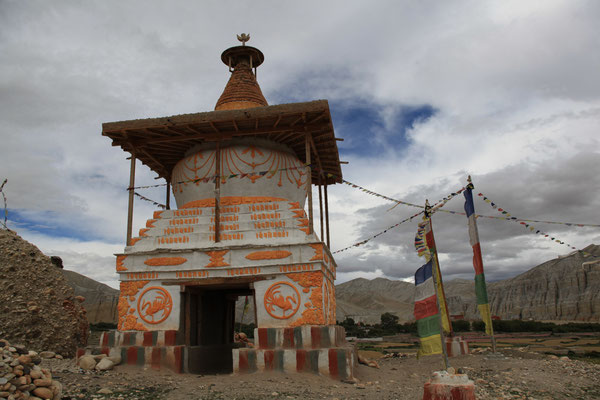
{"x":313,"y":349}
{"x":337,"y":363}
{"x":164,"y":357}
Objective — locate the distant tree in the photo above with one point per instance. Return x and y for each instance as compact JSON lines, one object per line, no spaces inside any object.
{"x":389,"y":321}
{"x":461,"y":325}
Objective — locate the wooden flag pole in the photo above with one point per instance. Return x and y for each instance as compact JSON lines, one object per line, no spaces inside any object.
{"x":437,"y":294}
{"x":130,"y":203}
{"x":471,"y":186}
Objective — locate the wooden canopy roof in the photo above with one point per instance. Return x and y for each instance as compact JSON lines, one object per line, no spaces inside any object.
{"x":160,"y":143}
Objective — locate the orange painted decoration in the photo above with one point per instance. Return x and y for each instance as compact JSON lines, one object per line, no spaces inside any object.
{"x":165,"y":261}
{"x":127,"y":322}
{"x":294,"y":205}
{"x":296,"y":267}
{"x":216,"y":258}
{"x":153,"y":301}
{"x":143,"y":231}
{"x":192,"y":274}
{"x":303,"y":222}
{"x":232,"y":200}
{"x":318,"y":247}
{"x":268,"y":255}
{"x":133,"y":241}
{"x":142,"y":275}
{"x":280,"y":298}
{"x":299,"y":213}
{"x":243,"y":271}
{"x":313,"y":314}
{"x":150,"y":223}
{"x":120,"y":266}
{"x":157,"y":214}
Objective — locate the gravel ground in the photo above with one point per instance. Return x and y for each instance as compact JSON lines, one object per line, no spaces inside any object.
{"x":518,"y":374}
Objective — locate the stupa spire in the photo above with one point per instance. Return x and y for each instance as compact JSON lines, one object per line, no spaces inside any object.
{"x":242,"y":90}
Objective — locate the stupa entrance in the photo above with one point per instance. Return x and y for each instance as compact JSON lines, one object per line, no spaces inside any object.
{"x":209,"y":322}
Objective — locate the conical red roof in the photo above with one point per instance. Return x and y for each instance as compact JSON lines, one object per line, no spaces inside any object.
{"x":242,"y":90}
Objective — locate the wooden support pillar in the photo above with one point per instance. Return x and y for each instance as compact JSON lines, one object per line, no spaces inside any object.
{"x":321,"y":207}
{"x":309,"y":184}
{"x":218,"y":193}
{"x":130,"y":206}
{"x":168,"y":200}
{"x":327,"y":216}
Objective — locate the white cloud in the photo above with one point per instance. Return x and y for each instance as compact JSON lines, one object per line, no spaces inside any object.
{"x":512,"y":86}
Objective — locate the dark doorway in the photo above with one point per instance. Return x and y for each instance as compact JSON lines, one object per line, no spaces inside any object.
{"x":209,"y":319}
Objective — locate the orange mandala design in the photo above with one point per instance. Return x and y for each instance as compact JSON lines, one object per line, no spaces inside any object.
{"x":282,"y":300}
{"x":154,"y":305}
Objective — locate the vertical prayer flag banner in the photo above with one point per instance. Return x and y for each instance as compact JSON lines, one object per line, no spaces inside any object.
{"x":430,"y":242}
{"x":480,"y":287}
{"x":426,"y":312}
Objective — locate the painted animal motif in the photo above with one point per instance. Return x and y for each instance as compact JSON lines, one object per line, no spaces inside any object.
{"x":160,"y":303}
{"x":275,"y":299}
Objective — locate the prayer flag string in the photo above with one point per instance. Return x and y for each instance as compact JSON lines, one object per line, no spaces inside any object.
{"x":223,"y":177}
{"x":150,"y":200}
{"x":508,"y":216}
{"x":433,"y":209}
{"x":379,"y":234}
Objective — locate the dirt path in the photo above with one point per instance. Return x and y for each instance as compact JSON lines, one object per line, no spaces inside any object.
{"x":519,"y":375}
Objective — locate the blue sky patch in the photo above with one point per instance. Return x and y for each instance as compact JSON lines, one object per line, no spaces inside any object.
{"x":365,"y":131}
{"x":50,"y":224}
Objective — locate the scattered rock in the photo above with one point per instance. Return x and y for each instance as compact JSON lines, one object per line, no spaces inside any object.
{"x":39,"y":307}
{"x":19,"y":377}
{"x":105,"y":364}
{"x":87,"y":362}
{"x":105,"y":391}
{"x":43,"y":392}
{"x":47,"y":354}
{"x":115,"y":359}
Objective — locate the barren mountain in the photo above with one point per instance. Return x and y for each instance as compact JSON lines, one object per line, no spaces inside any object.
{"x":566,"y":288}
{"x":100,"y":299}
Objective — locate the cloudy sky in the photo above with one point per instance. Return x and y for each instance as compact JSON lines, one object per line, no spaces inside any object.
{"x":423,"y":92}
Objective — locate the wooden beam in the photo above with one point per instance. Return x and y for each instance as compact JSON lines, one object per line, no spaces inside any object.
{"x":218,"y":193}
{"x":130,"y":204}
{"x":318,"y":117}
{"x":214,"y":127}
{"x":327,"y":218}
{"x":309,"y":184}
{"x":321,"y":207}
{"x":312,"y":144}
{"x":168,"y":199}
{"x":153,"y":159}
{"x":300,"y":118}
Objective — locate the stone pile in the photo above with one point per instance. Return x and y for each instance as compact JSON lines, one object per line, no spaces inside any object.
{"x":21,"y":377}
{"x":37,"y":306}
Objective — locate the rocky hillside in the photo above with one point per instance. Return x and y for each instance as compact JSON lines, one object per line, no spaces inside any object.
{"x":38,"y":309}
{"x":566,"y":288}
{"x":100,"y":299}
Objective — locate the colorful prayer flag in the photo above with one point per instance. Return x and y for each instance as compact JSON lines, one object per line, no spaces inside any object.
{"x":425,"y":234}
{"x":426,"y":312}
{"x":480,"y":287}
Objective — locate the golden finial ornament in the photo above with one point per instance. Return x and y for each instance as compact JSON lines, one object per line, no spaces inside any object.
{"x":244,"y":37}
